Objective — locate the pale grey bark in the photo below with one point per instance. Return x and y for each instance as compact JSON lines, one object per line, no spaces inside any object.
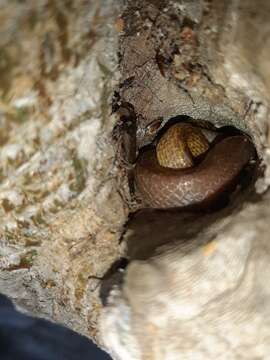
{"x":198,"y":286}
{"x":65,"y":200}
{"x":61,"y":215}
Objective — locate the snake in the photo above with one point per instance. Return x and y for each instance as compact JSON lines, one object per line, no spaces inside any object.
{"x":185,"y":170}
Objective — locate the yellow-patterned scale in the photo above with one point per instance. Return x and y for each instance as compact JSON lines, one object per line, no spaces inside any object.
{"x":179,"y":145}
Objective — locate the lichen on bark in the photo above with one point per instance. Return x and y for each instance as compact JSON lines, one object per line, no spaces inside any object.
{"x":195,"y":283}
{"x":66,"y":160}
{"x":61,"y":215}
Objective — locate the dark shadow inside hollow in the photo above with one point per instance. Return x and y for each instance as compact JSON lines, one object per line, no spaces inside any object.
{"x":113,"y":276}
{"x":149,"y":229}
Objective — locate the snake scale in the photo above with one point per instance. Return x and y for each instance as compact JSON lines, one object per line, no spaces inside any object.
{"x":168,"y":176}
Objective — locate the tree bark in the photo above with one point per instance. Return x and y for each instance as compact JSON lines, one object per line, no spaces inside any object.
{"x":196,"y":285}
{"x":61,"y":213}
{"x":196,"y":290}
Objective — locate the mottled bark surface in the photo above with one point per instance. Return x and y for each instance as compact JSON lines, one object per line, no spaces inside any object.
{"x":61,"y":217}
{"x":197,"y":285}
{"x":65,"y":167}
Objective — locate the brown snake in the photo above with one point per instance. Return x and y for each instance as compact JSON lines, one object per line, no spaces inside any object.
{"x":180,"y":183}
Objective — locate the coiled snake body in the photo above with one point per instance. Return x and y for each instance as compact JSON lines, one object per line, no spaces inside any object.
{"x":166,"y":177}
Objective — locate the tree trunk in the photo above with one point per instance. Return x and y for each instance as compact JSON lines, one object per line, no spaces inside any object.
{"x":81,"y":82}
{"x":61,"y":216}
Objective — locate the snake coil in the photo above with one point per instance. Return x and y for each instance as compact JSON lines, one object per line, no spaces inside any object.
{"x":166,"y":177}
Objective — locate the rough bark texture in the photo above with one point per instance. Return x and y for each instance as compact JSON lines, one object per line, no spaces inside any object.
{"x":61,"y":217}
{"x":198,"y":289}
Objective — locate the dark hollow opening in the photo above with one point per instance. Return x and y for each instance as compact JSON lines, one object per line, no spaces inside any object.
{"x":149,"y":229}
